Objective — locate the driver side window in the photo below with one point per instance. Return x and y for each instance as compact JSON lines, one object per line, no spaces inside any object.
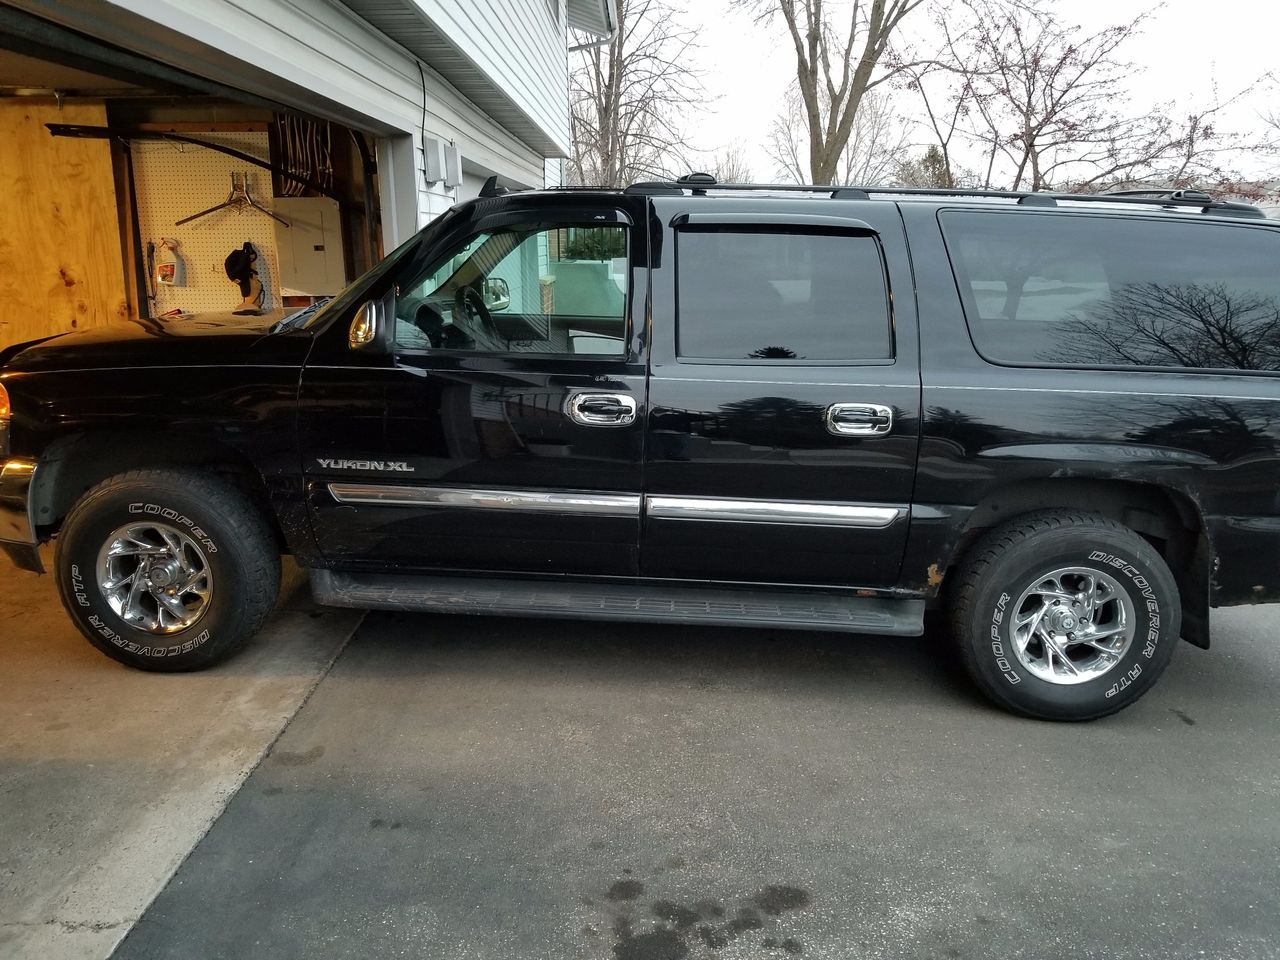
{"x":541,"y":288}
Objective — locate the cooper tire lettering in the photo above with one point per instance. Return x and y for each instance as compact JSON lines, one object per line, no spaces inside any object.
{"x":997,"y":645}
{"x":152,"y":509}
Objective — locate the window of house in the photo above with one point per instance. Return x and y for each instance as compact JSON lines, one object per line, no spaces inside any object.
{"x":768,"y":295}
{"x":536,"y":288}
{"x":1089,"y":290}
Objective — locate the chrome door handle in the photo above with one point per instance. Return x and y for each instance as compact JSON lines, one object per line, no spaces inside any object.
{"x":858,"y":419}
{"x":601,"y":409}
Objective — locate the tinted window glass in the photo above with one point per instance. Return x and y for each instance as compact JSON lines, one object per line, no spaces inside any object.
{"x":781,"y":296}
{"x":1090,"y":290}
{"x":536,"y":288}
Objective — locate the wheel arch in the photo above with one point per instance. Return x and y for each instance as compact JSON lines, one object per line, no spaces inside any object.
{"x":1169,"y":519}
{"x":73,"y":465}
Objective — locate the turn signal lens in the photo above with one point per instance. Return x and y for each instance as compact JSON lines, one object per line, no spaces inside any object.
{"x":4,"y":403}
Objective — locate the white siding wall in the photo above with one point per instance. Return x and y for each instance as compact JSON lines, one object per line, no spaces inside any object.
{"x":520,"y":45}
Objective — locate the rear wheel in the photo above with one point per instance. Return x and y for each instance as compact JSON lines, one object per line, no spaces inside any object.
{"x":167,"y":569}
{"x":1065,"y":616}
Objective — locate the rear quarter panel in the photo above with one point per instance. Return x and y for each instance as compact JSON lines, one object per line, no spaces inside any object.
{"x":1212,"y":437}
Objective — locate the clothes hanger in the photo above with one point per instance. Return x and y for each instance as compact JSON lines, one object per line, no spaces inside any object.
{"x":238,"y":198}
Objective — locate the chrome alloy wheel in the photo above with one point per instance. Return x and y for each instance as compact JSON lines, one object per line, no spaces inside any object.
{"x":154,"y":577}
{"x":1072,"y":625}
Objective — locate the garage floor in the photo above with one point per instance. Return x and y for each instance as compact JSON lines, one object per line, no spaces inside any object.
{"x":109,"y":776}
{"x":485,"y":788}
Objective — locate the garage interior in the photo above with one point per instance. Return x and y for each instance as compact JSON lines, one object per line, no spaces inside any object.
{"x":134,"y":215}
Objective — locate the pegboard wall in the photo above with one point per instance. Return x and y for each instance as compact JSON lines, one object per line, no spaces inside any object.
{"x":176,"y":180}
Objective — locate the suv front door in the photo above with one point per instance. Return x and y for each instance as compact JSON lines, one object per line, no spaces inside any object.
{"x":784,"y":393}
{"x":504,"y":433}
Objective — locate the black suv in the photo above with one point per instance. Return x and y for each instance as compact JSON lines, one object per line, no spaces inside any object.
{"x":1055,"y":417}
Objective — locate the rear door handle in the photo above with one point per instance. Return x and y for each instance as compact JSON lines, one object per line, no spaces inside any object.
{"x":601,"y":409}
{"x":858,"y":419}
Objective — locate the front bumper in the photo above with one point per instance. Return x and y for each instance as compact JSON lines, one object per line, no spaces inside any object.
{"x":17,"y":518}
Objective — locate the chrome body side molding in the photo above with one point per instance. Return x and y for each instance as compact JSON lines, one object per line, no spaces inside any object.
{"x":538,"y":501}
{"x":593,"y":503}
{"x":773,"y":511}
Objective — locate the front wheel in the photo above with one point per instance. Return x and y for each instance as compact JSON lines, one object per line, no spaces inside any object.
{"x":166,"y":569}
{"x":1065,"y":616}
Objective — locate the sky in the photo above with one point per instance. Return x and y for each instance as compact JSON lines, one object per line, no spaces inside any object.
{"x":1184,"y":48}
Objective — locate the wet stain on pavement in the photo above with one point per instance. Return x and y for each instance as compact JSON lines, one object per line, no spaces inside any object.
{"x":681,"y":917}
{"x":676,"y":929}
{"x":774,"y":900}
{"x":657,"y":944}
{"x":625,"y":889}
{"x":288,"y":758}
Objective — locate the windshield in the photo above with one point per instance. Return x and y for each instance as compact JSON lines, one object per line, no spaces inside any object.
{"x":312,"y":316}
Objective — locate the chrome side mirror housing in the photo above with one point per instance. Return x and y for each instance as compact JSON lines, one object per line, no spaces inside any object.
{"x":373,"y":326}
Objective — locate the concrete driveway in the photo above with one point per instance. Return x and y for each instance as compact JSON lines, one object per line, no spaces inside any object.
{"x":486,"y":788}
{"x":109,"y":776}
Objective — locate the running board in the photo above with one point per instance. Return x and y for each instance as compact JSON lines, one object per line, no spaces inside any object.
{"x":807,"y":610}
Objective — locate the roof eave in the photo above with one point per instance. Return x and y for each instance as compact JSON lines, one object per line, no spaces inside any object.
{"x":596,"y":17}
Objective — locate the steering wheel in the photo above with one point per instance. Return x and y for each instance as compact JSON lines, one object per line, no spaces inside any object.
{"x":431,"y":322}
{"x":470,"y":304}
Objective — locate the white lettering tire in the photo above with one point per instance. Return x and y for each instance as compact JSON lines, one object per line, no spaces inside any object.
{"x":117,"y":533}
{"x":1064,"y":616}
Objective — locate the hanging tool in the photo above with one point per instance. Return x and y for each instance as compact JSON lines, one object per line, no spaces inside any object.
{"x":238,"y":198}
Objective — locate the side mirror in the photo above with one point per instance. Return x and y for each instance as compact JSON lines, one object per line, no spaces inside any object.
{"x":497,"y":295}
{"x":373,"y":326}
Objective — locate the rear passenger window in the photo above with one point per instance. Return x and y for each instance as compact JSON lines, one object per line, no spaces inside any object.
{"x":768,"y":295}
{"x":1088,"y":290}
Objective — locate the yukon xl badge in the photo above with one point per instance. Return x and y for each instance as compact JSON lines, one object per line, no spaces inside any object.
{"x":387,"y":466}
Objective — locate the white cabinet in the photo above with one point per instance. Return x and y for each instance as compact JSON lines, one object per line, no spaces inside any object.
{"x":310,"y":248}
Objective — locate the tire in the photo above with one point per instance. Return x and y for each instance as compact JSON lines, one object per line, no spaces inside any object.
{"x":224,"y":554}
{"x":1036,"y":557}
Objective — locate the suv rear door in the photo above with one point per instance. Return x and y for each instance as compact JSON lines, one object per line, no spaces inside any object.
{"x":784,"y":392}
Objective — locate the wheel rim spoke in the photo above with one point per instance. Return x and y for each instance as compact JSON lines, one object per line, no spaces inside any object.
{"x":1098,"y":633}
{"x":133,"y":611}
{"x":155,"y":577}
{"x":1072,"y":625}
{"x":174,"y":606}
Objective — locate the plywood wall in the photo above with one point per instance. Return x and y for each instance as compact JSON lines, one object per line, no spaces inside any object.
{"x":60,"y":260}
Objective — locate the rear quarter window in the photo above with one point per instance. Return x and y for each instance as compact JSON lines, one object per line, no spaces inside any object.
{"x":1089,"y":290}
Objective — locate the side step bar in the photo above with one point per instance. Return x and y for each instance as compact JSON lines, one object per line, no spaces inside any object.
{"x":800,"y":610}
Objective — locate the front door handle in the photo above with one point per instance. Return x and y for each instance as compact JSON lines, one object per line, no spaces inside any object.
{"x":601,"y":409}
{"x":858,"y":419}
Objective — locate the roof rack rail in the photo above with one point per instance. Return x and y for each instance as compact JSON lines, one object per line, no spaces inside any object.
{"x":1170,"y":193}
{"x":1164,"y":199}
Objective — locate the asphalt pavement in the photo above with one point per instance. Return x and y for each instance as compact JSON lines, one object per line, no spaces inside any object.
{"x":494,"y":788}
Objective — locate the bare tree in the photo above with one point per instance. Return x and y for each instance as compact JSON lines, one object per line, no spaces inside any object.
{"x":1200,"y":326}
{"x":871,"y":154}
{"x":626,"y":97}
{"x":730,"y":165}
{"x":835,"y":66}
{"x":1046,"y":104}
